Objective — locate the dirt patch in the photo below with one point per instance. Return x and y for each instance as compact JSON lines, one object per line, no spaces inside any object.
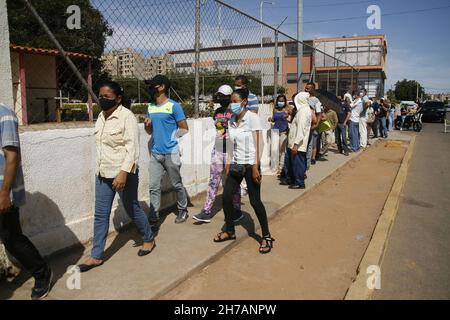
{"x":320,"y":238}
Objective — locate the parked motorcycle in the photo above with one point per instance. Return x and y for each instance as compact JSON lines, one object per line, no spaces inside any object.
{"x":411,"y":121}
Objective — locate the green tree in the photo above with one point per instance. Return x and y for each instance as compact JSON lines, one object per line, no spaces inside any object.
{"x":391,"y":96}
{"x":90,"y":39}
{"x":407,"y":90}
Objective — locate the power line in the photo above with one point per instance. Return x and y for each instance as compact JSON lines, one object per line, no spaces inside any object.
{"x":328,"y":4}
{"x":365,"y":17}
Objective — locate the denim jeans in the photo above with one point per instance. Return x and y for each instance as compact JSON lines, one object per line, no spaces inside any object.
{"x":341,"y":138}
{"x":391,"y":120}
{"x":296,"y":168}
{"x":309,"y":150}
{"x":104,"y":197}
{"x":170,"y":163}
{"x":402,"y":122}
{"x":382,"y":126}
{"x":354,"y":137}
{"x":19,"y":246}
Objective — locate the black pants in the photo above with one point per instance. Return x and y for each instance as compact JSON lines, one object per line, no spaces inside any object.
{"x":19,"y":246}
{"x":374,"y":127}
{"x":254,"y":193}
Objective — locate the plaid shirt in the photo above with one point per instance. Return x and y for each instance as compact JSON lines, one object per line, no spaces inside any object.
{"x":9,"y":137}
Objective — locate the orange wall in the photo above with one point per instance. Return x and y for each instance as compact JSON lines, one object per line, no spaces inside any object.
{"x":290,"y":66}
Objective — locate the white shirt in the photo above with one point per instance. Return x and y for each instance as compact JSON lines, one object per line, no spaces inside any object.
{"x":244,"y":149}
{"x":315,"y":104}
{"x":357,"y":108}
{"x":300,"y":129}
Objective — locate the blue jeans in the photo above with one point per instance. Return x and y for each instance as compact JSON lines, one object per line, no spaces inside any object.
{"x":296,"y":168}
{"x":311,"y":141}
{"x":382,"y":127}
{"x":170,"y":163}
{"x":341,"y":137}
{"x":354,"y":136}
{"x":391,"y":120}
{"x":104,"y":197}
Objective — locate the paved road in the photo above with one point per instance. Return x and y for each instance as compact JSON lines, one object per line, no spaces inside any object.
{"x":417,"y":260}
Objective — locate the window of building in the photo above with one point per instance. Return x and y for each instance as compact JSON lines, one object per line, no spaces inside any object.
{"x":291,"y":78}
{"x":291,"y":49}
{"x":183,"y":65}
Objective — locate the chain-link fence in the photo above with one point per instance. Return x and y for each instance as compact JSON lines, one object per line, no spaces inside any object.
{"x":199,"y":45}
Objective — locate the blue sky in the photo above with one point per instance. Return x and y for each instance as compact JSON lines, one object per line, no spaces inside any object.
{"x":418,"y":43}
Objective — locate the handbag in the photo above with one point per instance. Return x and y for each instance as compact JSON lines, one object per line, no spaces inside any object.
{"x":324,"y":126}
{"x":238,"y":170}
{"x":370,"y":116}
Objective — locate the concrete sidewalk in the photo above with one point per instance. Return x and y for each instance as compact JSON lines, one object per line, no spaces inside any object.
{"x":181,"y":249}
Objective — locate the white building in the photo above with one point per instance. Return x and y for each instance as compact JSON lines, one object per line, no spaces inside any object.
{"x":238,"y":59}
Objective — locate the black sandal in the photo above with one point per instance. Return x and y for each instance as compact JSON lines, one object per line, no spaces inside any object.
{"x":269,"y":244}
{"x":230,"y":236}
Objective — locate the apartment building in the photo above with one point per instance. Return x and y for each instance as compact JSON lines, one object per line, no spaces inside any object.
{"x":128,"y":63}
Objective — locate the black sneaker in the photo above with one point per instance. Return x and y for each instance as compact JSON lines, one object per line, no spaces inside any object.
{"x":203,"y":216}
{"x":284,"y":182}
{"x":182,"y":216}
{"x":42,"y":285}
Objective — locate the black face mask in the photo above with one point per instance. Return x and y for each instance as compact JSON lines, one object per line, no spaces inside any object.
{"x":224,"y":102}
{"x":107,"y":104}
{"x":153,"y":92}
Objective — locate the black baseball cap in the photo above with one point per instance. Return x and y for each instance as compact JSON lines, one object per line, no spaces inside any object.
{"x":159,"y":80}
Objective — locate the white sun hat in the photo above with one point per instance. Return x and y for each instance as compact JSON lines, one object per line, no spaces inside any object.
{"x":225,"y":90}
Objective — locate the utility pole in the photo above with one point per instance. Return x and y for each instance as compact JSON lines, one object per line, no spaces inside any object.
{"x":197,"y":57}
{"x":220,"y":24}
{"x":276,"y":64}
{"x":417,"y":90}
{"x":139,"y":90}
{"x":299,"y":44}
{"x":261,"y":4}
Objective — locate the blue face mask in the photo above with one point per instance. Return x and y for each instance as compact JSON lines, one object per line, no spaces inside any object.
{"x":280,"y":105}
{"x":236,"y":108}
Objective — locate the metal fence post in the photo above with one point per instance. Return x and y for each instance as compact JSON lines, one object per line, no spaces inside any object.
{"x":197,"y":57}
{"x":275,"y":68}
{"x":62,"y":52}
{"x":337,"y":78}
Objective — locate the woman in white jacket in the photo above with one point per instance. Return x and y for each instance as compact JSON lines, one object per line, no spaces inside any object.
{"x":298,"y":142}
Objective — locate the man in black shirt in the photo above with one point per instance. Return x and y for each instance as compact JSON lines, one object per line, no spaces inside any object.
{"x":341,"y":129}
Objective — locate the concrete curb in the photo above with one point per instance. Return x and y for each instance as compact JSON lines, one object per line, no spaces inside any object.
{"x":241,"y":237}
{"x":375,"y":251}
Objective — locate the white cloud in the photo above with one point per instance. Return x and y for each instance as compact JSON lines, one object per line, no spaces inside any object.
{"x":405,"y":64}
